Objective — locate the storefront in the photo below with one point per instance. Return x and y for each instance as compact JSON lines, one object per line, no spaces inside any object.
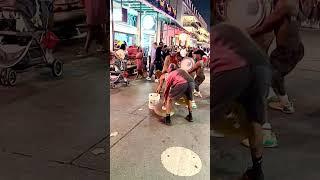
{"x":142,"y":22}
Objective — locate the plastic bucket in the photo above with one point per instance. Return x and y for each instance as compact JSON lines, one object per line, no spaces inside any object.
{"x":154,"y":99}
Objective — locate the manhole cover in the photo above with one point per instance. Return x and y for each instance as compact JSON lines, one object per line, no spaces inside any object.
{"x":181,"y":161}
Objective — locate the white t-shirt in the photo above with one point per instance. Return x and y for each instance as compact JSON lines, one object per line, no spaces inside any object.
{"x":183,"y":52}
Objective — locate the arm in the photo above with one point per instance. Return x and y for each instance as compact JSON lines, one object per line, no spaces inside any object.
{"x":168,"y":86}
{"x":280,"y":12}
{"x":165,"y":65}
{"x":161,"y":81}
{"x":194,"y":68}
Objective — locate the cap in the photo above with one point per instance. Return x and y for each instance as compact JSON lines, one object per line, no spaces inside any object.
{"x":199,"y":51}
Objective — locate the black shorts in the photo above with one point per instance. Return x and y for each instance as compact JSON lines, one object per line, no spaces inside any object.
{"x":182,"y":90}
{"x":284,"y":60}
{"x":158,"y":65}
{"x":247,"y":86}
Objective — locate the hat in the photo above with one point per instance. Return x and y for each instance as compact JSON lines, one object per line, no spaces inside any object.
{"x":172,"y":67}
{"x":199,"y":51}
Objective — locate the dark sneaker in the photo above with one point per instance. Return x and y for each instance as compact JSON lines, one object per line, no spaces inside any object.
{"x":253,"y":174}
{"x":189,"y":118}
{"x":166,"y":121}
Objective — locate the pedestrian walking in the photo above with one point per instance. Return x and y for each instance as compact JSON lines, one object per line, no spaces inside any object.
{"x":159,"y":59}
{"x":139,"y":63}
{"x":152,"y":60}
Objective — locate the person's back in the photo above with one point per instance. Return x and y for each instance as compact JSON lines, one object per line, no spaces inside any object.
{"x":234,"y":49}
{"x":169,"y":59}
{"x":179,"y":76}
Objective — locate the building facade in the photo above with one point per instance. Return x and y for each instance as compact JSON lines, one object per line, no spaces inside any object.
{"x":142,"y":22}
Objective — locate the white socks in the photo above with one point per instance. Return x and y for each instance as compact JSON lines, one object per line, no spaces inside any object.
{"x":284,"y":100}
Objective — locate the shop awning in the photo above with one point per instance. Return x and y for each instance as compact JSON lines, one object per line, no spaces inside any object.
{"x":147,"y":8}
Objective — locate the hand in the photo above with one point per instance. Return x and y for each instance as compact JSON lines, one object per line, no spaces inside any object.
{"x":158,"y":90}
{"x":164,"y":102}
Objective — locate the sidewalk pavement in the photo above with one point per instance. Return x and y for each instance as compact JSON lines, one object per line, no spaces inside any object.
{"x":51,"y":128}
{"x":136,"y":150}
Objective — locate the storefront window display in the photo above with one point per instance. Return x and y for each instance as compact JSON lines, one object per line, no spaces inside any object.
{"x":122,"y":37}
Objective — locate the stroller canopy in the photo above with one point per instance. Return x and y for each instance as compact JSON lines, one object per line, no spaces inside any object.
{"x":27,"y":7}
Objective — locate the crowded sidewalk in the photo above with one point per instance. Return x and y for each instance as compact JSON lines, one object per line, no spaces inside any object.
{"x":140,"y":137}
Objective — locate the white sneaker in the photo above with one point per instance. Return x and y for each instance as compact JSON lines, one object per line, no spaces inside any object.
{"x":156,"y":81}
{"x":289,"y":109}
{"x":197,"y":94}
{"x":194,"y":105}
{"x":266,"y":126}
{"x":148,"y":79}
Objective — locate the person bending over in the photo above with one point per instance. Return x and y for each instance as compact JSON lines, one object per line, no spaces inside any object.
{"x":240,"y":73}
{"x":179,"y":84}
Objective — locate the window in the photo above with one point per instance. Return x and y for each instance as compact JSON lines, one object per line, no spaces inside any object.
{"x":132,"y":20}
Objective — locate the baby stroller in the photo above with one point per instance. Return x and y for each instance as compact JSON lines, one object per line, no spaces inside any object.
{"x":24,"y":39}
{"x":118,"y":74}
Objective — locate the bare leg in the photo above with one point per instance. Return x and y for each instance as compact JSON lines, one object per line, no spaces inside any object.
{"x":256,"y":140}
{"x":167,"y":119}
{"x":189,"y":116}
{"x":189,"y":106}
{"x":169,"y":106}
{"x":256,"y":147}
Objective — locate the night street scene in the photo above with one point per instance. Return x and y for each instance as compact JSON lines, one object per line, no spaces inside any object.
{"x":55,"y":86}
{"x":129,"y":89}
{"x":160,"y":90}
{"x":282,"y":128}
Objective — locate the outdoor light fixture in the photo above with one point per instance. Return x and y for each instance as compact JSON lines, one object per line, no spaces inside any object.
{"x":148,"y":22}
{"x":183,"y":37}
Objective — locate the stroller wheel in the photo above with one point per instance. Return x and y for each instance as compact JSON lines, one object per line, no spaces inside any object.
{"x":57,"y":68}
{"x":11,"y":77}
